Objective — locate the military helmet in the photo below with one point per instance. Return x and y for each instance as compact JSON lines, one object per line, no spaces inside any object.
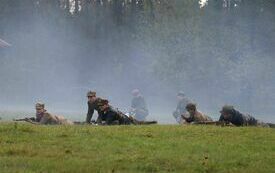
{"x":91,"y":94}
{"x":39,"y":105}
{"x":227,"y":109}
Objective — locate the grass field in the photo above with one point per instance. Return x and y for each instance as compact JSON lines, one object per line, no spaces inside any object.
{"x":159,"y":148}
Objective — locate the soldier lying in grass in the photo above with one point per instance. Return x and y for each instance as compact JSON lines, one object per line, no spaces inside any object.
{"x":113,"y":116}
{"x":193,"y":115}
{"x":230,"y":115}
{"x":43,"y":117}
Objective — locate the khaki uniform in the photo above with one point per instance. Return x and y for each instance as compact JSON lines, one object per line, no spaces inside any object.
{"x":197,"y":117}
{"x":47,"y":118}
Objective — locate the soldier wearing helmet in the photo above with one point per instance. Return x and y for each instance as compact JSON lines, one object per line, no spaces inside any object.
{"x":230,"y":115}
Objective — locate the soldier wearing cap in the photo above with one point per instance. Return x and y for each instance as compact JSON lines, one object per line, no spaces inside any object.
{"x":138,"y":106}
{"x":194,"y":116}
{"x":40,"y":110}
{"x":93,"y":104}
{"x":180,"y":110}
{"x":111,"y":116}
{"x":230,"y":115}
{"x":43,"y":117}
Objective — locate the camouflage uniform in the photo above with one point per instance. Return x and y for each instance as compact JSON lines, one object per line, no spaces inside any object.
{"x":239,"y":119}
{"x":139,"y":106}
{"x":180,"y":110}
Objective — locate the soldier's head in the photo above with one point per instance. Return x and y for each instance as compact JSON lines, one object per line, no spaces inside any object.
{"x":103,"y":104}
{"x":91,"y":95}
{"x":227,"y":111}
{"x":39,"y":107}
{"x":180,"y":95}
{"x":191,"y":108}
{"x":135,"y":92}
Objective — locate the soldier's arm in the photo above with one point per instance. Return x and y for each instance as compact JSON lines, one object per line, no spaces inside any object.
{"x":45,"y":119}
{"x":188,"y":119}
{"x":221,"y":118}
{"x":90,"y":113}
{"x":99,"y":118}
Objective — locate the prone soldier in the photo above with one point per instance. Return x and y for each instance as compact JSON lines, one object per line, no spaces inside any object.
{"x":43,"y":117}
{"x":230,"y":115}
{"x":194,"y":116}
{"x":113,"y":116}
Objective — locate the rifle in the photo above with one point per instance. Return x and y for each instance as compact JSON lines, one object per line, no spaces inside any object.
{"x":218,"y":123}
{"x":29,"y":120}
{"x":93,"y":122}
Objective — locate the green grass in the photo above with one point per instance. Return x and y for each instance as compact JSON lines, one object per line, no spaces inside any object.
{"x":159,"y":148}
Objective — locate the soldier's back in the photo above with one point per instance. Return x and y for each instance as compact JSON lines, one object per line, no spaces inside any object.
{"x":200,"y":117}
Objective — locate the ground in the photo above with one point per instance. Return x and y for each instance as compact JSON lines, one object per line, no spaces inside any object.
{"x":157,"y":148}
